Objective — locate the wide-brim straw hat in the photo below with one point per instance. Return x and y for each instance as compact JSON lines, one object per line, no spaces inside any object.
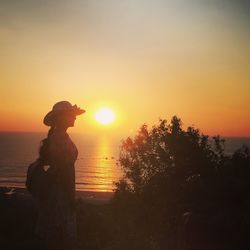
{"x":59,"y":108}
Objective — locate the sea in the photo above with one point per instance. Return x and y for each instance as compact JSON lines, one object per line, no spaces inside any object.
{"x":96,"y":167}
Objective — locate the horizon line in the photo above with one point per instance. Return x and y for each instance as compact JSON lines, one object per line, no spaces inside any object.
{"x":21,"y":131}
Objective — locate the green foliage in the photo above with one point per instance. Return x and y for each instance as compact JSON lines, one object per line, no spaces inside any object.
{"x":168,"y":150}
{"x":169,"y":171}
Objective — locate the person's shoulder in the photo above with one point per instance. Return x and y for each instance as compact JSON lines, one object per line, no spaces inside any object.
{"x":54,"y":139}
{"x":56,"y":136}
{"x":57,"y":141}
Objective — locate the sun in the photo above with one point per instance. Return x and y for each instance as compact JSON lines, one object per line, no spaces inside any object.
{"x":104,"y":116}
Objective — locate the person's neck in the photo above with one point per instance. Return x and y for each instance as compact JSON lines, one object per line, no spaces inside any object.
{"x":61,"y":130}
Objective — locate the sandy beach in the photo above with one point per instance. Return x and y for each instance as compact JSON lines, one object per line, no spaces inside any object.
{"x":7,"y":193}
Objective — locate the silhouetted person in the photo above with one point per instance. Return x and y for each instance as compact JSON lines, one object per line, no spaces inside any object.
{"x":56,"y":224}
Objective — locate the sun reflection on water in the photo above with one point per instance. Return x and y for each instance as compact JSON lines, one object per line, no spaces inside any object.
{"x":104,"y":169}
{"x":97,"y":170}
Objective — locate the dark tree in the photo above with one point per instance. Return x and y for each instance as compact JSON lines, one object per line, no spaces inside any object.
{"x":172,"y":175}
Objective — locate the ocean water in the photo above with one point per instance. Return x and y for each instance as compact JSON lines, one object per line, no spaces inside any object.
{"x":96,"y":166}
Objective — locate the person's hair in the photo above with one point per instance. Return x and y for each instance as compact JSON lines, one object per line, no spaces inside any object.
{"x":44,"y":147}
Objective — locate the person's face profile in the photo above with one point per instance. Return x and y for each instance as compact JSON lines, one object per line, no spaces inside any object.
{"x":66,"y":119}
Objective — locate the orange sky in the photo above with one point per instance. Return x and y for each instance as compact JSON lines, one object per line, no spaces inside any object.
{"x":143,"y":59}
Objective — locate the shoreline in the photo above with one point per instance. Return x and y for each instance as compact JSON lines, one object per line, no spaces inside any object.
{"x":93,"y":197}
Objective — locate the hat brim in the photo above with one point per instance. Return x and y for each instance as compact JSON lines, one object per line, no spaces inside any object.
{"x":49,"y":118}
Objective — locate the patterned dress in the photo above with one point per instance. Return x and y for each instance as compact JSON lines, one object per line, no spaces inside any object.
{"x":56,"y":223}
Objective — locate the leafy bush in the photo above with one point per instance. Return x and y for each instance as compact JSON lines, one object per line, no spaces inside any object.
{"x":170,"y":172}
